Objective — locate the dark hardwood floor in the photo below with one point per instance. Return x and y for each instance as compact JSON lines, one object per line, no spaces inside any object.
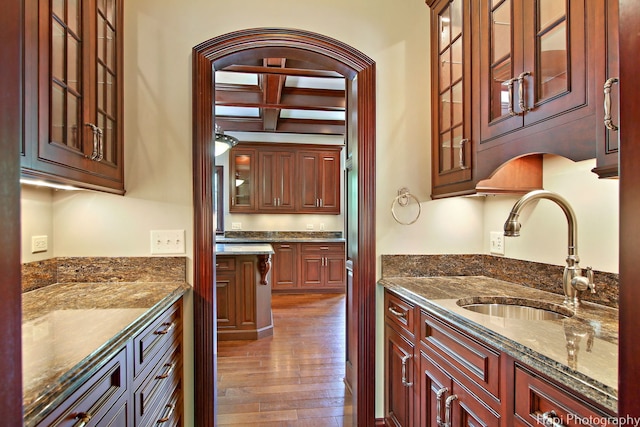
{"x":293,"y":379}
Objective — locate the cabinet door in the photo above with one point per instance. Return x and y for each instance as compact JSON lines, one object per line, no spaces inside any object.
{"x":226,"y":299}
{"x":276,"y":174}
{"x":242,"y":180}
{"x":319,"y":182}
{"x":608,"y":90}
{"x":444,"y":399}
{"x":285,"y":266}
{"x":79,"y":104}
{"x":312,"y":267}
{"x":335,"y":270}
{"x":451,"y":89}
{"x":400,"y":387}
{"x":534,"y":62}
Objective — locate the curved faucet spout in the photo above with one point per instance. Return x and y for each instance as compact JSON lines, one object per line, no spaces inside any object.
{"x":512,"y":226}
{"x":573,"y":281}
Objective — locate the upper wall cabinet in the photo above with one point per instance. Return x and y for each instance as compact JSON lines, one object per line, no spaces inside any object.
{"x":538,"y":62}
{"x":454,"y":143}
{"x":73,"y":93}
{"x":285,"y":178}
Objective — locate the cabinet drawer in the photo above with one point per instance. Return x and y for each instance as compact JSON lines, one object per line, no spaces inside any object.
{"x":224,"y":263}
{"x":399,"y":312}
{"x":535,"y":396}
{"x":156,"y":337}
{"x":95,"y":397}
{"x":474,"y":360}
{"x":159,"y":385}
{"x":322,"y":247}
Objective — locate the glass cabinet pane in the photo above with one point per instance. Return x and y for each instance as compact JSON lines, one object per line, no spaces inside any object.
{"x":241,"y":182}
{"x":501,"y":69}
{"x":552,"y":55}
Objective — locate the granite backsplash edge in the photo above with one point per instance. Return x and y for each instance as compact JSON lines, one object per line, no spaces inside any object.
{"x":39,"y":274}
{"x":546,"y":277}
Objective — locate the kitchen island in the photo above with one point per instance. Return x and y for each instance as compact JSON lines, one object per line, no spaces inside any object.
{"x":243,"y":291}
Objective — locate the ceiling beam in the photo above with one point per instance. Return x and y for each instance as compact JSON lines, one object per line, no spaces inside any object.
{"x":272,"y":85}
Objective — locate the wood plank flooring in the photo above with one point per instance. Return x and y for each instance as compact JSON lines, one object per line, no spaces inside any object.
{"x":293,"y":379}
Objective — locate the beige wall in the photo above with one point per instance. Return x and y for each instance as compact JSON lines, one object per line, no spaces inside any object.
{"x":159,"y":36}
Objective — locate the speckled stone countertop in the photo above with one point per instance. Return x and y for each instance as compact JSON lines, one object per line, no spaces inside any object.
{"x":69,"y":328}
{"x":281,"y":236}
{"x":243,"y":249}
{"x":542,"y":345}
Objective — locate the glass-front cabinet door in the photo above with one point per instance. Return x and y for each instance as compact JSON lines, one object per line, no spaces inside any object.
{"x":450,"y":50}
{"x":241,"y":180}
{"x":533,"y":64}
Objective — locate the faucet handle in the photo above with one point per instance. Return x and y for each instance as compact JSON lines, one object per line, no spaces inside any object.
{"x":582,"y":283}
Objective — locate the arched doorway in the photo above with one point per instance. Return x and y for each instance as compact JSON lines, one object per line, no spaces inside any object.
{"x":359,"y":70}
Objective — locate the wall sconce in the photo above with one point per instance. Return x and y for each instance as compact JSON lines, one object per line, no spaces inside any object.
{"x":223,"y":142}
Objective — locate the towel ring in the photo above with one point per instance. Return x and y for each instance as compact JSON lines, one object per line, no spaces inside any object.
{"x":403,"y":199}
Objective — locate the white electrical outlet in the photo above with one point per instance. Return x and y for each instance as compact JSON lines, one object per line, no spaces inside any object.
{"x":496,"y":242}
{"x":309,"y":226}
{"x":236,"y":226}
{"x":167,"y":242}
{"x":39,"y":244}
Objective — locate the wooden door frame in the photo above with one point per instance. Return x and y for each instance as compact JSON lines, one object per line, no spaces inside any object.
{"x":214,"y":54}
{"x":11,"y":140}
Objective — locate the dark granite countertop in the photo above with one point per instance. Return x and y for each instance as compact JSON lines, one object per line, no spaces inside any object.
{"x":539,"y":344}
{"x":68,"y":329}
{"x":243,"y":249}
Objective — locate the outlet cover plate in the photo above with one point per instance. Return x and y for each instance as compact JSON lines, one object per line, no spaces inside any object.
{"x":39,"y":244}
{"x":496,"y":242}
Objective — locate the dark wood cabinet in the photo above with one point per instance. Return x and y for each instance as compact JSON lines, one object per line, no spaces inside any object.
{"x":436,"y":374}
{"x":285,"y":178}
{"x":323,"y":266}
{"x":243,"y":301}
{"x":608,"y":117}
{"x":73,"y":93}
{"x":285,"y":266}
{"x":400,"y":367}
{"x":455,"y":139}
{"x":140,"y":386}
{"x":319,"y":181}
{"x":276,"y":179}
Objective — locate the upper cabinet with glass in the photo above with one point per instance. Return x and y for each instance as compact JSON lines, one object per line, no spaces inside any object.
{"x":537,"y":62}
{"x":73,"y":93}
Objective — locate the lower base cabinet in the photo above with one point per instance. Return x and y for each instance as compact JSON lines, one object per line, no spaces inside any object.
{"x":140,"y":386}
{"x":437,"y":375}
{"x":309,"y":267}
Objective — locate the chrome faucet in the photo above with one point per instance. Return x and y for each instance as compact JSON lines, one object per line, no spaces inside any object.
{"x":573,"y":282}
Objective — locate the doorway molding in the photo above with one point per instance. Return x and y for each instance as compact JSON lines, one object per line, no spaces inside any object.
{"x":217,"y":53}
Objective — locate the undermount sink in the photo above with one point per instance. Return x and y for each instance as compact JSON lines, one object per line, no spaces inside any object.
{"x":515,"y":308}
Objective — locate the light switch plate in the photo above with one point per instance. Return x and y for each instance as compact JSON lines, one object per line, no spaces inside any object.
{"x":167,"y":242}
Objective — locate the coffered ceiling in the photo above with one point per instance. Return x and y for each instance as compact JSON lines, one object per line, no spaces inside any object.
{"x":280,"y":99}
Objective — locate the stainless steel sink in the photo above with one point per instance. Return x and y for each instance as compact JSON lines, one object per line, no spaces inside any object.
{"x":515,"y":308}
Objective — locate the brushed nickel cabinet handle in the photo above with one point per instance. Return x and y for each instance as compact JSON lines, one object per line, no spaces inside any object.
{"x":83,"y":418}
{"x":523,"y":103}
{"x":461,"y":160}
{"x":171,"y":408}
{"x":404,"y":370}
{"x":168,"y":326}
{"x":397,"y":313}
{"x":439,"y":396}
{"x":509,"y":85}
{"x":608,"y":122}
{"x":98,"y":149}
{"x":448,"y":409}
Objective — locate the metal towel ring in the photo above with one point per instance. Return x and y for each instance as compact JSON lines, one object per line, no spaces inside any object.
{"x":403,"y":199}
